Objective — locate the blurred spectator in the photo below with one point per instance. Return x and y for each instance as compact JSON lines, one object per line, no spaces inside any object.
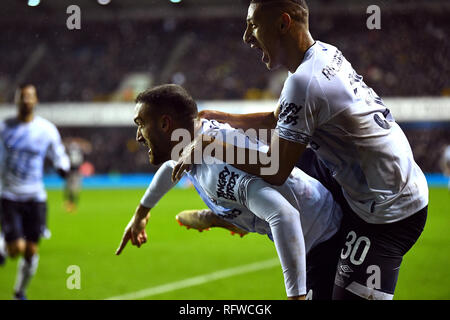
{"x":407,"y":57}
{"x":76,"y":149}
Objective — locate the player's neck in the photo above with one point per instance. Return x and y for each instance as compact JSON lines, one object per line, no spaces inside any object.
{"x":25,"y":117}
{"x":197,"y":127}
{"x":297,"y":52}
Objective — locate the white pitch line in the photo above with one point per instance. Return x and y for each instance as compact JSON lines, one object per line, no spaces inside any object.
{"x":195,"y":281}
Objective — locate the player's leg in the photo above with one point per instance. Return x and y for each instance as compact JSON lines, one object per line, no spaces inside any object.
{"x":321,"y":263}
{"x":371,"y":256}
{"x":28,"y":264}
{"x":268,"y":204}
{"x":71,"y":190}
{"x":26,"y":269}
{"x":3,"y":253}
{"x":76,"y":187}
{"x":44,"y":230}
{"x":205,"y":219}
{"x":310,"y":164}
{"x":12,"y":229}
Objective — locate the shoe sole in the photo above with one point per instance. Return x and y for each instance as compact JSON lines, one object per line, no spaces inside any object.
{"x":207,"y":229}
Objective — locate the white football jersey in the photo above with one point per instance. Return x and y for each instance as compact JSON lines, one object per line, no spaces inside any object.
{"x":223,"y":189}
{"x":233,"y":194}
{"x":326,"y":104}
{"x":25,"y":146}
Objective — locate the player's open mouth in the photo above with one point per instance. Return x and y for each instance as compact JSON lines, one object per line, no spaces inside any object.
{"x":264,"y":57}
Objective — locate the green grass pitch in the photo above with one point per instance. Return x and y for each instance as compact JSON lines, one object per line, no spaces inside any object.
{"x":89,"y":238}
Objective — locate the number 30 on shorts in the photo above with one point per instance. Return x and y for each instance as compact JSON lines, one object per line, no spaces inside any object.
{"x":351,"y":248}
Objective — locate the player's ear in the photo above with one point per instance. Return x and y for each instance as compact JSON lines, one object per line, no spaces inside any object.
{"x":165,"y":123}
{"x":285,"y":22}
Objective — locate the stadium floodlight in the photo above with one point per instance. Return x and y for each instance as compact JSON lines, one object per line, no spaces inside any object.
{"x":33,"y":3}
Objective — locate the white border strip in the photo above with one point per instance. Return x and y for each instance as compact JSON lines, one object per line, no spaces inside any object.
{"x":368,"y":293}
{"x":121,"y":114}
{"x":195,"y":281}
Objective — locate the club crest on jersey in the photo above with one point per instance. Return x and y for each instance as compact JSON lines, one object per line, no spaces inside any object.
{"x":226,"y":183}
{"x":288,"y":113}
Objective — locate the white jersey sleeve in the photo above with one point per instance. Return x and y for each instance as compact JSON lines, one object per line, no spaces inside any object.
{"x":160,"y":185}
{"x":56,"y":151}
{"x":327,"y":105}
{"x":303,"y":108}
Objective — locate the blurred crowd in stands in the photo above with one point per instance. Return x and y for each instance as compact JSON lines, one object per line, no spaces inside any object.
{"x":408,"y":56}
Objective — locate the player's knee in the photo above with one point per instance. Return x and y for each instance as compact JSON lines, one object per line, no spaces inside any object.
{"x":16,"y":248}
{"x":282,"y":216}
{"x":30,"y":250}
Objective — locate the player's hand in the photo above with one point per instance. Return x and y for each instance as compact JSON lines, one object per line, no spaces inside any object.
{"x":138,"y":234}
{"x":135,"y":230}
{"x":185,"y":161}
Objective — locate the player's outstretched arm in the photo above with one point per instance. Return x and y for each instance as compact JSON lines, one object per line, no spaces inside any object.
{"x":261,"y":120}
{"x":160,"y":185}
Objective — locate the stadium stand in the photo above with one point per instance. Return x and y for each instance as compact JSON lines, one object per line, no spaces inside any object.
{"x":408,"y":57}
{"x":212,"y":62}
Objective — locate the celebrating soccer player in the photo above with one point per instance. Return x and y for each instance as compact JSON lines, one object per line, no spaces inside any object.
{"x":300,"y":216}
{"x":326,"y":106}
{"x":25,"y":141}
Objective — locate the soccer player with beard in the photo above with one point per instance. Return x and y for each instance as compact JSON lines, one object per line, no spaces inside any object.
{"x":26,"y":140}
{"x":300,"y":216}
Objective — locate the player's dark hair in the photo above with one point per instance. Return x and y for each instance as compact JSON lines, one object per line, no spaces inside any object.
{"x":23,"y":85}
{"x":301,"y":14}
{"x":301,"y":3}
{"x":170,"y":99}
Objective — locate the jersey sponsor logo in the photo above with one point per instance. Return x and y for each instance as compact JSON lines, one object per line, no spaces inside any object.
{"x":288,"y":113}
{"x":226,"y":183}
{"x":335,"y":66}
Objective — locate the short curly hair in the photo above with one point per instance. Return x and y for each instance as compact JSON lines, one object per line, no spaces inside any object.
{"x":170,"y":99}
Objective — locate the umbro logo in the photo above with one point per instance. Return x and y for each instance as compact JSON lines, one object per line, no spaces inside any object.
{"x":345,"y":268}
